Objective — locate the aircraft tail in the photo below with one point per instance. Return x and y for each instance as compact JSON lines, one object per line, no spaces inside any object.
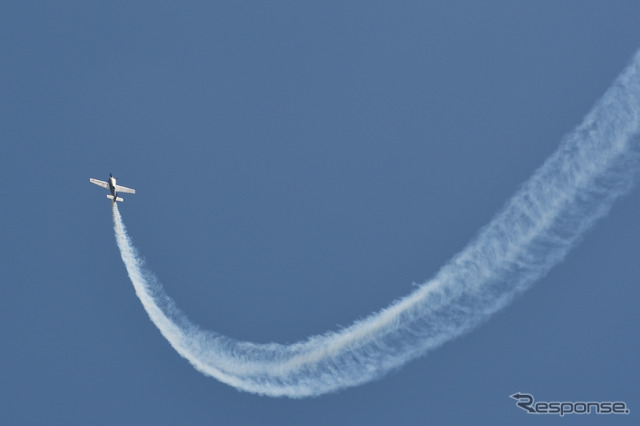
{"x":109,"y":196}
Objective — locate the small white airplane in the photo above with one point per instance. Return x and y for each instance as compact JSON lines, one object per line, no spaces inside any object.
{"x":113,"y":187}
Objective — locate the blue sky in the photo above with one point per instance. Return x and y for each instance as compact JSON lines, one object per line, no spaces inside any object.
{"x":297,"y":167}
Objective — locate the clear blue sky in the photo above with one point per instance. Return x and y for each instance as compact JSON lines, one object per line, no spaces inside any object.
{"x":298,"y":165}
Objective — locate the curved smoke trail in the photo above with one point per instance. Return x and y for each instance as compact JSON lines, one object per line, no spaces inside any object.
{"x":594,"y":165}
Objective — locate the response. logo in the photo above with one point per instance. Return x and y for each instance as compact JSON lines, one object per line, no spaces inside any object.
{"x":561,"y":408}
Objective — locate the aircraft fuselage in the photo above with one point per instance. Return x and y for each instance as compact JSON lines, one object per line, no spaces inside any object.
{"x":112,"y":186}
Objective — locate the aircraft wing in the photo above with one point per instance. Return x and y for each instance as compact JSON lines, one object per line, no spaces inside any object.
{"x":99,"y":183}
{"x":125,"y":189}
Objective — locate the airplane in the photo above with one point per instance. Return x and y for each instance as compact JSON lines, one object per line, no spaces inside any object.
{"x":113,"y":187}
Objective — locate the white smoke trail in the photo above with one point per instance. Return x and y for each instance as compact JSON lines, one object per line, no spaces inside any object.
{"x":594,"y":165}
